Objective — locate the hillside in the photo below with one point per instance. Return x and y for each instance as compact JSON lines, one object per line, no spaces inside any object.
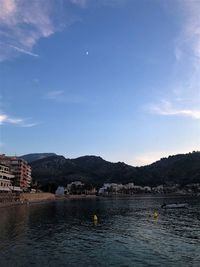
{"x":88,"y":169}
{"x":36,"y":156}
{"x":182,"y":169}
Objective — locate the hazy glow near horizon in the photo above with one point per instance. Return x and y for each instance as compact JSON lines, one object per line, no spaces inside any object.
{"x":115,"y":78}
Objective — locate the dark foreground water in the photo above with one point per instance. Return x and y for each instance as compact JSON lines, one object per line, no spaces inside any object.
{"x":64,"y":234}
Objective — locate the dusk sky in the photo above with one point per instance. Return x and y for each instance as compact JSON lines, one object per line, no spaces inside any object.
{"x":118,"y":79}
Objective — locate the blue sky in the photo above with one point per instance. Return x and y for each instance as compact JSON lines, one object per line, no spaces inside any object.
{"x":114,"y":78}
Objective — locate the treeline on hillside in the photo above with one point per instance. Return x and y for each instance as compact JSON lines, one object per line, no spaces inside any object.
{"x":51,"y":171}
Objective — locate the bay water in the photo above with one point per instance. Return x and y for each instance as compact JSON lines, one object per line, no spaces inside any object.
{"x":63,"y":233}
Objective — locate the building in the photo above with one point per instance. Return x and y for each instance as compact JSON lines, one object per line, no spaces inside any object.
{"x":60,"y":191}
{"x":6,"y":179}
{"x":111,"y":188}
{"x":130,"y":188}
{"x":20,"y":169}
{"x":22,"y":173}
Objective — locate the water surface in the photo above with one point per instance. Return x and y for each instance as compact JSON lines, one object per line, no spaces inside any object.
{"x":64,"y":234}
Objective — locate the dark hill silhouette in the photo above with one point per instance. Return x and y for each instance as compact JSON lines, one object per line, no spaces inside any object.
{"x":88,"y":169}
{"x":182,"y":169}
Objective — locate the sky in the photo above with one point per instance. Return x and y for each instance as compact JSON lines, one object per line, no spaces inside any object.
{"x":118,"y":79}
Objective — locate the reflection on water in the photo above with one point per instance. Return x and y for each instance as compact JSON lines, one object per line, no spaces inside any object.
{"x":126,"y":234}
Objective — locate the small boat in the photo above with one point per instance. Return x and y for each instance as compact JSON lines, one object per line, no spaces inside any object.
{"x":175,"y":206}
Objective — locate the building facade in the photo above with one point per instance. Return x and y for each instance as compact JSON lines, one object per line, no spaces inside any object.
{"x":6,"y":179}
{"x":20,"y":169}
{"x":22,"y":172}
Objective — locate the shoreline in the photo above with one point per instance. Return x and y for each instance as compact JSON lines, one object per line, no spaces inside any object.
{"x":42,"y":198}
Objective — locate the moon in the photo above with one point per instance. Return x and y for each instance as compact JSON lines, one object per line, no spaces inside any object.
{"x":87,"y":53}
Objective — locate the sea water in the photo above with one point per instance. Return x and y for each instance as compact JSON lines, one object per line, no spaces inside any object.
{"x":127,"y":233}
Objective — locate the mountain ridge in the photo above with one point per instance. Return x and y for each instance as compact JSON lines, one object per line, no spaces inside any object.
{"x":58,"y":170}
{"x":35,"y":156}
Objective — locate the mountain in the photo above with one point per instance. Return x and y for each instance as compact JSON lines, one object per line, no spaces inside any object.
{"x":36,"y":156}
{"x":88,"y":169}
{"x":57,"y":170}
{"x":181,"y":168}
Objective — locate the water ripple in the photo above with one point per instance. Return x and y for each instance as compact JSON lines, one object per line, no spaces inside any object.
{"x":64,"y":234}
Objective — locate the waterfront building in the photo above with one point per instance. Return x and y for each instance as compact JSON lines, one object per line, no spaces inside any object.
{"x":130,"y":188}
{"x":6,"y":179}
{"x":91,"y":191}
{"x":102,"y":190}
{"x":60,"y":191}
{"x":21,"y":171}
{"x":111,"y":188}
{"x":138,"y":189}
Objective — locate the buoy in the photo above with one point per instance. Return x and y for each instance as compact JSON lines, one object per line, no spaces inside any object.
{"x":155,"y":215}
{"x":95,"y":217}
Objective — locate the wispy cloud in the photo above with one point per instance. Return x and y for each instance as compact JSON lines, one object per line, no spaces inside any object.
{"x":61,"y":96}
{"x":28,"y":125}
{"x":166,"y":108}
{"x":97,"y":3}
{"x":183,"y":93}
{"x":6,"y":119}
{"x":187,"y":48}
{"x":188,"y":42}
{"x":80,"y":3}
{"x":23,"y":51}
{"x":55,"y":95}
{"x":23,"y":23}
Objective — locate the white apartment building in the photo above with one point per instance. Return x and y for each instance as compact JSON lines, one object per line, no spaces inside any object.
{"x":5,"y":179}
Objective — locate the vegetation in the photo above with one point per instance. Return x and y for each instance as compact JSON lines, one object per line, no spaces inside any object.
{"x":57,"y":170}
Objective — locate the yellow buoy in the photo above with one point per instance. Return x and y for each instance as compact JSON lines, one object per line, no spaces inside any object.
{"x":95,"y":217}
{"x":155,"y":215}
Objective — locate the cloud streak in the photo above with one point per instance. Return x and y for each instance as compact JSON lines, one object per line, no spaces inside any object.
{"x":187,"y":47}
{"x":55,"y":95}
{"x":61,"y":96}
{"x":23,"y":51}
{"x":98,"y":3}
{"x":6,"y":119}
{"x":183,"y":94}
{"x":80,"y":3}
{"x":189,"y":39}
{"x":166,"y":108}
{"x":23,"y":23}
